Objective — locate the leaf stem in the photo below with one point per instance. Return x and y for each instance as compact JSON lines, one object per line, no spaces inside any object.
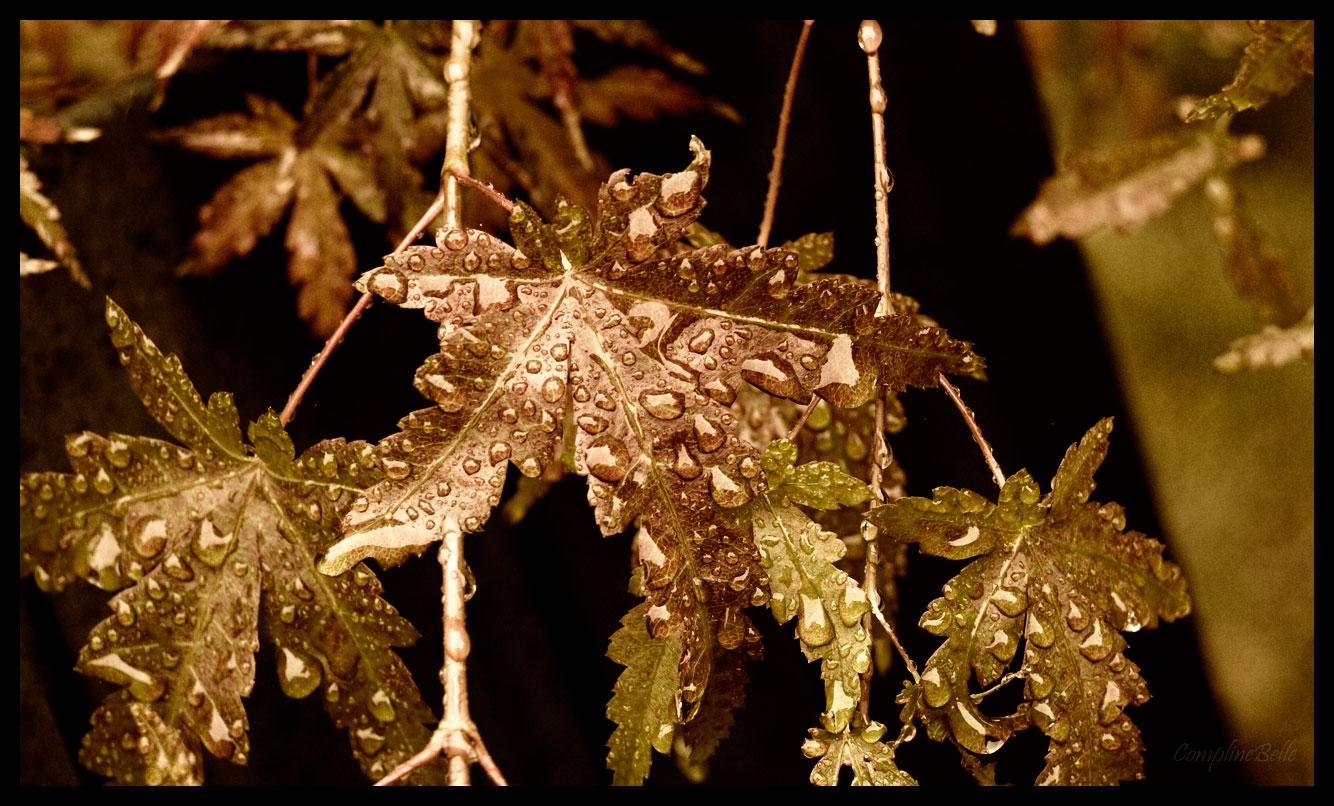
{"x":967,"y":413}
{"x":907,"y":661}
{"x":308,"y":377}
{"x":805,"y":415}
{"x":460,"y":172}
{"x":784,"y":118}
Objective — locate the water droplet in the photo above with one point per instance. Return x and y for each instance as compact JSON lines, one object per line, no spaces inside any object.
{"x":389,"y":284}
{"x":663,"y":405}
{"x":118,"y":453}
{"x":447,"y":395}
{"x":299,"y":674}
{"x":773,"y":374}
{"x":500,"y":451}
{"x":591,"y":423}
{"x":852,"y":605}
{"x":678,"y":194}
{"x":709,"y":435}
{"x":604,"y":402}
{"x":471,"y":466}
{"x":176,"y":568}
{"x":553,"y":390}
{"x":720,"y":392}
{"x":124,"y":613}
{"x":150,"y":537}
{"x":288,"y":613}
{"x":686,"y":466}
{"x":935,"y":689}
{"x":102,"y":482}
{"x":1010,"y":601}
{"x":381,"y":707}
{"x":726,"y":491}
{"x":749,"y":467}
{"x":1039,"y":633}
{"x":211,"y":547}
{"x":1076,"y":617}
{"x":1098,"y":644}
{"x":700,"y":343}
{"x":608,"y":459}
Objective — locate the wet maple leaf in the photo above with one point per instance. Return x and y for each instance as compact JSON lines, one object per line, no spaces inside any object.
{"x":212,"y":543}
{"x":579,"y":329}
{"x":1059,"y":574}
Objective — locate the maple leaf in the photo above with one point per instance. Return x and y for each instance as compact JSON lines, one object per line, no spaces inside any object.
{"x":1059,"y":574}
{"x":1130,"y":183}
{"x":871,"y":760}
{"x":212,"y":543}
{"x":578,"y":330}
{"x":1271,"y":347}
{"x":40,"y":213}
{"x":292,"y":173}
{"x":1280,"y":57}
{"x":1256,"y":270}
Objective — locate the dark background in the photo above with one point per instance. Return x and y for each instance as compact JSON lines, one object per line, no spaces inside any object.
{"x":967,"y":147}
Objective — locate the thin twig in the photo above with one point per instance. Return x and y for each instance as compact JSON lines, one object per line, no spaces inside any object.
{"x":460,"y":173}
{"x":805,"y":415}
{"x":869,"y":38}
{"x":912,"y":667}
{"x":967,"y":413}
{"x":308,"y":377}
{"x":1009,"y":676}
{"x":456,"y":737}
{"x":784,"y":118}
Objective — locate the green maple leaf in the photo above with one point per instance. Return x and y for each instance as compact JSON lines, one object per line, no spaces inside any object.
{"x":1059,"y":575}
{"x":871,"y":760}
{"x":579,"y":330}
{"x":212,"y":543}
{"x":1280,"y":57}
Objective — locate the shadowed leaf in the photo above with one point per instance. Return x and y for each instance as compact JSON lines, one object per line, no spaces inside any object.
{"x":1280,"y":57}
{"x":1128,"y":184}
{"x":1060,"y":575}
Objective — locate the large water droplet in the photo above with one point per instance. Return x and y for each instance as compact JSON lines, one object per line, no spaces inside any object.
{"x":211,"y":546}
{"x":852,"y":605}
{"x":447,"y":395}
{"x":709,"y":435}
{"x":369,"y":741}
{"x":1076,"y":617}
{"x":663,"y":405}
{"x":1098,"y":644}
{"x":124,"y":613}
{"x":591,"y":423}
{"x":686,"y":466}
{"x":118,"y":453}
{"x":389,"y":284}
{"x":772,"y":373}
{"x":150,"y":537}
{"x":381,"y":707}
{"x":299,"y":674}
{"x":727,"y":492}
{"x":1010,"y":601}
{"x":1040,"y":634}
{"x":1114,"y":699}
{"x":177,"y":568}
{"x":678,"y":193}
{"x":935,"y":689}
{"x":553,"y":390}
{"x":640,"y":238}
{"x":608,"y":459}
{"x":499,"y":452}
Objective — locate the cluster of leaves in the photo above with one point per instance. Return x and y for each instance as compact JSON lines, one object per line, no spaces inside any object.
{"x":378,"y":112}
{"x":594,"y":344}
{"x":1130,"y":183}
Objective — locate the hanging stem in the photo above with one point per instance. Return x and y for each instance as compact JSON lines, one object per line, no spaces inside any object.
{"x":967,"y":413}
{"x":336,"y":339}
{"x":869,"y":37}
{"x":784,"y":118}
{"x":456,"y":737}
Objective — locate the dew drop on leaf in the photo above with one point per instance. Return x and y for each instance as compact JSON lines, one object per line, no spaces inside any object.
{"x":209,"y":546}
{"x":663,"y":405}
{"x":381,"y":707}
{"x":814,"y":627}
{"x":727,"y":492}
{"x":608,"y":459}
{"x":299,"y":674}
